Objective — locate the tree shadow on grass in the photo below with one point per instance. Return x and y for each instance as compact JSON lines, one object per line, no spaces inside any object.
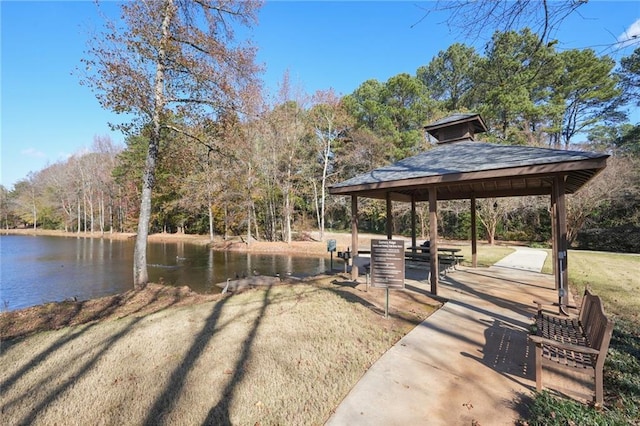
{"x":102,"y":308}
{"x":6,"y":385}
{"x":348,"y":291}
{"x":345,"y":289}
{"x":74,"y":333}
{"x":56,"y":315}
{"x":71,"y":380}
{"x":51,"y":316}
{"x":165,"y":402}
{"x":219,"y":414}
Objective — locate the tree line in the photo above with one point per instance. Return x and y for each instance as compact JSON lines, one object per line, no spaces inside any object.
{"x":259,"y":167}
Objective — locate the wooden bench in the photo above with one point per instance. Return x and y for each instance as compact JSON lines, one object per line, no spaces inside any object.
{"x":578,"y":343}
{"x":445,"y":262}
{"x":448,"y":261}
{"x":546,"y":316}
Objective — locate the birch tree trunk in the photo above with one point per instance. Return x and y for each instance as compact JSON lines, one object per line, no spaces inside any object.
{"x":140,"y":272}
{"x":78,"y":215}
{"x":210,"y":223}
{"x":165,"y":59}
{"x":287,"y":205}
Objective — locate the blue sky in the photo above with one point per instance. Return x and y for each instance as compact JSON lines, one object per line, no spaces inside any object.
{"x":46,"y":115}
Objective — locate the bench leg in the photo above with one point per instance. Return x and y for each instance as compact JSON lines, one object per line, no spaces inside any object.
{"x":599,"y":387}
{"x":539,"y":368}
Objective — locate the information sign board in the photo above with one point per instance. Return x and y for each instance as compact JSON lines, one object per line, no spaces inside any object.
{"x":387,"y":263}
{"x":331,"y":245}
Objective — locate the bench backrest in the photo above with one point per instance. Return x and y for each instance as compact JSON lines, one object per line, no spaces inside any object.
{"x":587,"y":304}
{"x":598,"y":328}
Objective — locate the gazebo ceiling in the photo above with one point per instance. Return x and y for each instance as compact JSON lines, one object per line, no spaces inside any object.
{"x":475,"y":169}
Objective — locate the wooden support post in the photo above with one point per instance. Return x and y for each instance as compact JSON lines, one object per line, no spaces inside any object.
{"x":554,"y":236}
{"x":474,"y":235}
{"x":562,"y":238}
{"x":413,"y":223}
{"x":389,"y":217}
{"x":539,"y":368}
{"x":433,"y":243}
{"x":354,"y":235}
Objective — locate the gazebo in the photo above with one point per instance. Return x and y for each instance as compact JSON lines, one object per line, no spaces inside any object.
{"x":460,"y":168}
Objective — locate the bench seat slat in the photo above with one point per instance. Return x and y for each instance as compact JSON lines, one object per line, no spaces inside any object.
{"x":551,"y":343}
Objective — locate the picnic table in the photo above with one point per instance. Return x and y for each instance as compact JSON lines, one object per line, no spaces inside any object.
{"x":450,"y":250}
{"x":447,"y":255}
{"x":447,"y":258}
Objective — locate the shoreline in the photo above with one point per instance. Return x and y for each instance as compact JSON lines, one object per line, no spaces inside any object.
{"x":310,"y":246}
{"x":65,"y":234}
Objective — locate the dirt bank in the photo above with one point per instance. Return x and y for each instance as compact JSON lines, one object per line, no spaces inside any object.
{"x":55,"y":315}
{"x":309,"y":242}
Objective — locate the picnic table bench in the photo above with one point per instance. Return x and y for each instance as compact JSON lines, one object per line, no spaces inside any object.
{"x":448,"y":258}
{"x":579,"y":343}
{"x":445,"y":263}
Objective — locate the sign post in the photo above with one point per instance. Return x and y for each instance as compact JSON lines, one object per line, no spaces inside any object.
{"x":387,"y":266}
{"x":331,"y":247}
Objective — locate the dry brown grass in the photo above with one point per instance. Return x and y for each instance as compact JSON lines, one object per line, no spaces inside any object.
{"x":280,"y":355}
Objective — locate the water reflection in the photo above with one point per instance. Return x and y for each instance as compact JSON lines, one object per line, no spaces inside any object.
{"x":41,"y":269}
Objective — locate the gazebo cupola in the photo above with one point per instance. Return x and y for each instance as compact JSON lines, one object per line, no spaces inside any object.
{"x":456,"y":128}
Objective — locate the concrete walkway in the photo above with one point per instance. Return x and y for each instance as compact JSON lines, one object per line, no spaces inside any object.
{"x":468,"y":363}
{"x":524,"y":259}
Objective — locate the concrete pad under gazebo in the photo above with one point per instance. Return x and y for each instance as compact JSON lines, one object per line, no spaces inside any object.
{"x":461,"y":168}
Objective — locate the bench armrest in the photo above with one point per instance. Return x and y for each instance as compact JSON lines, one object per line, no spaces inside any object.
{"x":539,"y":340}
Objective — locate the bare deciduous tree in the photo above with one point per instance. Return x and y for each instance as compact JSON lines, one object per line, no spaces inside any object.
{"x":619,"y":177}
{"x":170,"y":55}
{"x":287,"y":129}
{"x":473,"y":17}
{"x":329,"y":121}
{"x":491,"y":211}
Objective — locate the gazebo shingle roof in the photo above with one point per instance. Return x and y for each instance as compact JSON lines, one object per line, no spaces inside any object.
{"x":457,"y":118}
{"x":462,"y":169}
{"x":462,"y":163}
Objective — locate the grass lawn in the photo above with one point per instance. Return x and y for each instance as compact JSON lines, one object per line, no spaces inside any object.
{"x":284,"y":355}
{"x":231,"y":361}
{"x":487,"y":255}
{"x":616,"y":279}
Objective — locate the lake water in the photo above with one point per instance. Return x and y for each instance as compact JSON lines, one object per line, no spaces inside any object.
{"x":39,"y":269}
